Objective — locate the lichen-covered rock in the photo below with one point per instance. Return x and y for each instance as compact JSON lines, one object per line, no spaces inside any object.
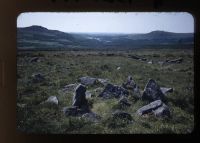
{"x":152,"y":92}
{"x":111,"y":91}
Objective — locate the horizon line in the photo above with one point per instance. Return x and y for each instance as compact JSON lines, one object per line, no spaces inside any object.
{"x":105,"y":32}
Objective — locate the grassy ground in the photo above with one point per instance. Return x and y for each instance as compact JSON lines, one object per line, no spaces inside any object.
{"x":65,"y":67}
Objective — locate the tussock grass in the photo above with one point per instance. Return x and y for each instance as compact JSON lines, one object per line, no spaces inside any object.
{"x":66,"y":67}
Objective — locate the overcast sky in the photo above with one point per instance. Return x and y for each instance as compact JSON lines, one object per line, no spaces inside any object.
{"x":109,"y":22}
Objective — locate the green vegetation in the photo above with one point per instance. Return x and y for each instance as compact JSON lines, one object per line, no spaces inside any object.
{"x":66,"y":67}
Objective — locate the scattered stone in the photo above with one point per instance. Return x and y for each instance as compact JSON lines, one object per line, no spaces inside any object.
{"x":179,"y":60}
{"x":103,"y":81}
{"x":52,"y":99}
{"x":161,"y":62}
{"x":34,"y":59}
{"x":148,"y":108}
{"x":21,"y":105}
{"x":113,"y":91}
{"x":38,"y":77}
{"x":150,"y":62}
{"x":99,"y":89}
{"x":69,"y":87}
{"x":137,"y":58}
{"x":130,"y":84}
{"x":118,"y":68}
{"x":88,"y":94}
{"x":162,"y":111}
{"x":79,"y":98}
{"x":122,"y":115}
{"x":93,"y":117}
{"x":123,"y":101}
{"x":152,"y":92}
{"x":166,"y":90}
{"x":88,"y":80}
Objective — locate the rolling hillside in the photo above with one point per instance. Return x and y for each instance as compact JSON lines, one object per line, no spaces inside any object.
{"x":38,"y":37}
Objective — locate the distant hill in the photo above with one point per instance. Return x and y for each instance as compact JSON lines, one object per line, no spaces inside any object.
{"x":38,"y":37}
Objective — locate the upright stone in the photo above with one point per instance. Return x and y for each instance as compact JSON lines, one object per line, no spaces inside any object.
{"x":79,"y":98}
{"x":152,"y":92}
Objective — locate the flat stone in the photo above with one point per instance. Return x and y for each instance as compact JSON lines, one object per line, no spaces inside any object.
{"x":34,"y":59}
{"x":149,"y":108}
{"x":88,"y":80}
{"x":166,"y":90}
{"x":179,"y":60}
{"x":162,"y":111}
{"x":69,"y":88}
{"x":103,"y":81}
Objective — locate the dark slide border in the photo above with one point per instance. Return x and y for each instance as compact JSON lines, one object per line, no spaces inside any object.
{"x":10,"y":9}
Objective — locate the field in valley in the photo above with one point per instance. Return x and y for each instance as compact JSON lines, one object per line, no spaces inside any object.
{"x":61,"y":68}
